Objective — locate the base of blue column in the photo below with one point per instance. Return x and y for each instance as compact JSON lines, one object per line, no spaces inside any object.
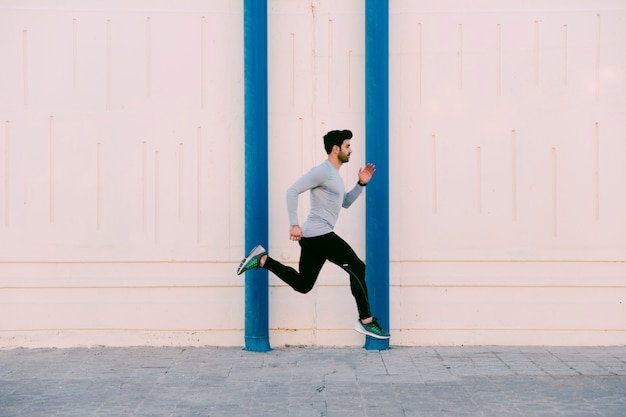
{"x":258,"y":344}
{"x":371,"y":343}
{"x":256,"y":332}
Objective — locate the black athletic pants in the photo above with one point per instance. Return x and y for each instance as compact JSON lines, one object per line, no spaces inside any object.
{"x":315,"y":251}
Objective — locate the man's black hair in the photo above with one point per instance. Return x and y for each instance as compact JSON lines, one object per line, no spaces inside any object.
{"x":335,"y":137}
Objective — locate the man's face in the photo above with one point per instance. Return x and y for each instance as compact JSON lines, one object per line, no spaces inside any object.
{"x":344,"y":151}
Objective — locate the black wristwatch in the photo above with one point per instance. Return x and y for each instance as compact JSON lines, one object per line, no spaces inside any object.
{"x":361,"y":184}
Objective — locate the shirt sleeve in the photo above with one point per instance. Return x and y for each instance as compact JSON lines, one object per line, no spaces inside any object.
{"x":352,"y":195}
{"x":314,"y":178}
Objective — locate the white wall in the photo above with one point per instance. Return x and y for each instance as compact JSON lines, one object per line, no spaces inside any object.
{"x":122,"y":172}
{"x":121,"y":198}
{"x":507,"y":144}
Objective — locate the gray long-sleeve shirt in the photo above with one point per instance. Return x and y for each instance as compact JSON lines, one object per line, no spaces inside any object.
{"x":328,"y":196}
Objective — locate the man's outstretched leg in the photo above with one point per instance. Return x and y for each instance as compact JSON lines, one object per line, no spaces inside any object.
{"x":303,"y":282}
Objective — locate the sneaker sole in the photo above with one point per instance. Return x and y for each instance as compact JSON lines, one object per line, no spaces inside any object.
{"x":366,"y":333}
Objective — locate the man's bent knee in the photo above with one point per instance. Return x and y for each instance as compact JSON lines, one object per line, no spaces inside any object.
{"x":303,"y":289}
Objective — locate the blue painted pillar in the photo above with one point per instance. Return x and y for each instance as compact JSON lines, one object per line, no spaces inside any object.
{"x":256,"y":172}
{"x":377,"y":152}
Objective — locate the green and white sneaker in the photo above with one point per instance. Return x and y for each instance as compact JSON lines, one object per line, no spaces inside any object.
{"x":371,"y":329}
{"x":253,"y":260}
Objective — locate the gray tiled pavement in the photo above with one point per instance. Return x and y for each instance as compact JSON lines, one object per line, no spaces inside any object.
{"x":314,"y":382}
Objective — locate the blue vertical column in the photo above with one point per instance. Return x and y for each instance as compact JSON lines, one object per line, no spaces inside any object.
{"x":256,"y":172}
{"x":377,"y":152}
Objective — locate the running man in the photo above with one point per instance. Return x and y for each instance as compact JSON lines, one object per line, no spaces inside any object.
{"x":318,"y":241}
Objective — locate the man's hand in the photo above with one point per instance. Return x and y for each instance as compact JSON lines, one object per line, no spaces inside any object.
{"x":365,"y":174}
{"x":295,"y":232}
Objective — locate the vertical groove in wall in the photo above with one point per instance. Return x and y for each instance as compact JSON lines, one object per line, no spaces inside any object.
{"x":554,"y":194}
{"x":596,"y":169}
{"x":301,"y":158}
{"x":536,"y":55}
{"x":301,"y":149}
{"x":144,"y":186}
{"x":419,"y":62}
{"x":479,"y":181}
{"x":199,"y":185}
{"x":181,"y":179}
{"x":51,"y":169}
{"x":598,"y":57}
{"x":148,"y":56}
{"x":75,"y":52}
{"x":433,"y":161}
{"x":108,"y":64}
{"x":25,"y":65}
{"x":498,"y":60}
{"x":330,"y":60}
{"x":203,"y":62}
{"x":157,"y":205}
{"x":7,"y":172}
{"x":99,"y":186}
{"x":514,"y":174}
{"x":313,"y":81}
{"x":312,"y":155}
{"x":459,"y":55}
{"x":350,"y":78}
{"x":565,"y":45}
{"x":292,"y":79}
